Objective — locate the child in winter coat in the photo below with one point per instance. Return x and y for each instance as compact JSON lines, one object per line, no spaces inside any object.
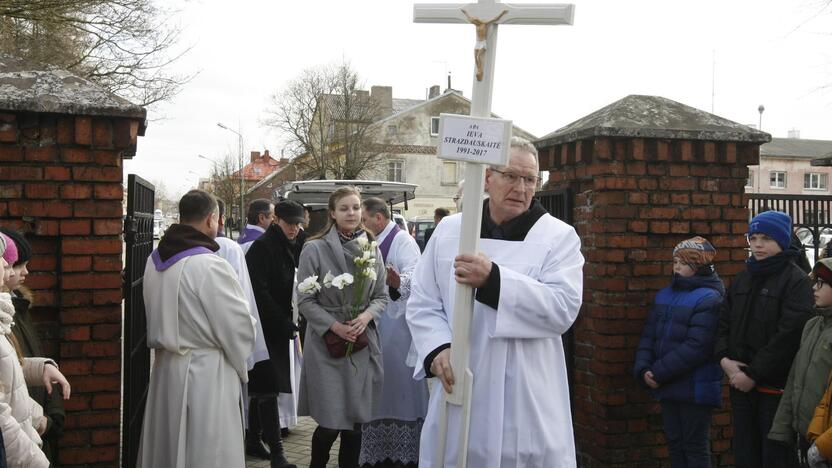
{"x":760,"y":326}
{"x":811,"y":366}
{"x":21,"y":418}
{"x":674,"y":356}
{"x":819,"y":433}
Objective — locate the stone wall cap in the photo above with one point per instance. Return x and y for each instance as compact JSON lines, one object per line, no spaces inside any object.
{"x":31,"y":87}
{"x":638,"y":116}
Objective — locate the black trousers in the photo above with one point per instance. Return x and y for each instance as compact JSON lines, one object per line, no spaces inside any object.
{"x":348,"y":454}
{"x":752,"y":414}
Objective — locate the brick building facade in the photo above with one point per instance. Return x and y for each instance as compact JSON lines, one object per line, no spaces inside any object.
{"x":62,"y":141}
{"x":646,"y":172}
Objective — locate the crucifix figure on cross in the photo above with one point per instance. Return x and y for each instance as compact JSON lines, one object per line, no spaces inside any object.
{"x":500,"y":361}
{"x":482,"y":36}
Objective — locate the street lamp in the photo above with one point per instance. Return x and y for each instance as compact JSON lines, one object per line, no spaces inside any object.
{"x":240,"y":148}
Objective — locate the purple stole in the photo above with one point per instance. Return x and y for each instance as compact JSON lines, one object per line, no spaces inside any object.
{"x":249,"y":235}
{"x":164,"y":265}
{"x":388,"y":242}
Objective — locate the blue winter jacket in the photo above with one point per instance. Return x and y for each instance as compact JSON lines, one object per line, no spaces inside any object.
{"x":677,"y":343}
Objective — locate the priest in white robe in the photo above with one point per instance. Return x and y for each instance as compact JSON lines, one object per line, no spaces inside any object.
{"x":199,"y":325}
{"x":392,"y":437}
{"x":529,"y":280}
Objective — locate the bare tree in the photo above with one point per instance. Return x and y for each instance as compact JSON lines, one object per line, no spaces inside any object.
{"x":325,"y":118}
{"x":165,"y":200}
{"x":226,"y":182}
{"x":125,"y":46}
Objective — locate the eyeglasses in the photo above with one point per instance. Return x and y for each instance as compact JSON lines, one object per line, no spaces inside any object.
{"x":819,"y":283}
{"x":512,"y":178}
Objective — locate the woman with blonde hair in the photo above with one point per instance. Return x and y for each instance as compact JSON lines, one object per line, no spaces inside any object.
{"x":341,"y":294}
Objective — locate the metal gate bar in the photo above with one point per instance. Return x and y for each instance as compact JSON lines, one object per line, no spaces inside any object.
{"x":138,"y":234}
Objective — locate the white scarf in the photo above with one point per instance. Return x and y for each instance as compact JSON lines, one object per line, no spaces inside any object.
{"x":6,"y":314}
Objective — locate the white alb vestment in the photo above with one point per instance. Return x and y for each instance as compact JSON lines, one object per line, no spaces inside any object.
{"x":234,"y":254}
{"x":520,"y":414}
{"x":403,"y":397}
{"x":199,"y":324}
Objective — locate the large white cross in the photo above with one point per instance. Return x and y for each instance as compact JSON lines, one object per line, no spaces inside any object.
{"x":485,"y":15}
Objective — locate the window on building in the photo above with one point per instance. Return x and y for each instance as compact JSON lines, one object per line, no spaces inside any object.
{"x":392,"y":130}
{"x":395,"y":171}
{"x":749,"y":182}
{"x":814,"y":181}
{"x":777,"y":179}
{"x":434,"y":126}
{"x":450,"y":171}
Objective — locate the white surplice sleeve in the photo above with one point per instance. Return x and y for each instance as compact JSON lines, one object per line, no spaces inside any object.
{"x":425,"y":314}
{"x":407,"y":256}
{"x":228,"y":314}
{"x":543,"y":307}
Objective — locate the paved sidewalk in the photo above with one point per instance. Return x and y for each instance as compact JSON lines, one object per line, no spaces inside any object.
{"x":297,"y":447}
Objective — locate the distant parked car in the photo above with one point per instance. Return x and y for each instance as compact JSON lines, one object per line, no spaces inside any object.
{"x":808,"y":241}
{"x":314,"y":194}
{"x":399,"y":219}
{"x":159,"y":225}
{"x":418,"y":226}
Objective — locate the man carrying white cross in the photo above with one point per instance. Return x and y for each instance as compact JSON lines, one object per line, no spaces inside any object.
{"x":524,"y":268}
{"x":528,"y":282}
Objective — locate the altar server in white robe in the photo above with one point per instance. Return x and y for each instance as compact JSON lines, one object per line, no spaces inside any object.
{"x":392,"y":437}
{"x":529,"y":283}
{"x":234,"y":254}
{"x":199,"y":325}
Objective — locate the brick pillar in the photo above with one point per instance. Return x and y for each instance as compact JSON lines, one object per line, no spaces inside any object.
{"x":635,"y":199}
{"x":61,"y":181}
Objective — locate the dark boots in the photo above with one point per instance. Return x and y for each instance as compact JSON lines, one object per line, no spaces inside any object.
{"x":350,"y":449}
{"x":322,"y":441}
{"x":348,"y":454}
{"x":270,"y":421}
{"x":254,"y":444}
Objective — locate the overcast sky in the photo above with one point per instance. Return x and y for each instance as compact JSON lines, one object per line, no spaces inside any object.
{"x":768,"y":52}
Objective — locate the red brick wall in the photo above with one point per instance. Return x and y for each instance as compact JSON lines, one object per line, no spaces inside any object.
{"x":635,"y":199}
{"x":61,"y":180}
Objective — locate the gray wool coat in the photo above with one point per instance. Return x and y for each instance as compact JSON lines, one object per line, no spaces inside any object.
{"x":332,"y":391}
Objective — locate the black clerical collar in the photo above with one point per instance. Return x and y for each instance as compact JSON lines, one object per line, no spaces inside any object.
{"x":514,"y":229}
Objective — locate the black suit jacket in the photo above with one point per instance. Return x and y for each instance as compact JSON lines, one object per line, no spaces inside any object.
{"x":271,"y":264}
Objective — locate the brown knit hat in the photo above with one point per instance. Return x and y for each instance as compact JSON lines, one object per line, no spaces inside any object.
{"x":695,"y":252}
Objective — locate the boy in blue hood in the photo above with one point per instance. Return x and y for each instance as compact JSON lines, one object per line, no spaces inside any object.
{"x":674,"y":356}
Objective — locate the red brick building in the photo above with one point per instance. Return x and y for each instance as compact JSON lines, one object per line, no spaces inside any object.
{"x":259,"y":167}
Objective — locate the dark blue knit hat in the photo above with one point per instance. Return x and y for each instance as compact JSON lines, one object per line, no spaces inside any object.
{"x":775,"y":224}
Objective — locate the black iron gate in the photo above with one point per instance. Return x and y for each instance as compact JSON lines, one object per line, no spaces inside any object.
{"x":559,"y":204}
{"x":138,"y":234}
{"x":811,"y":215}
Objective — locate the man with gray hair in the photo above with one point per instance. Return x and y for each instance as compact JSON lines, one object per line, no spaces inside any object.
{"x":528,"y":280}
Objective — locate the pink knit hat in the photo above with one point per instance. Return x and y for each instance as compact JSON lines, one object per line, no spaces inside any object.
{"x":10,"y":255}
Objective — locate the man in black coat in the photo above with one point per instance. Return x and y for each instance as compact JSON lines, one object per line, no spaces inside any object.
{"x":272,"y":260}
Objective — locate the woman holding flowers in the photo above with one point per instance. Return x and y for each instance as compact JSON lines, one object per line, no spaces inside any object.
{"x":341,"y":293}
